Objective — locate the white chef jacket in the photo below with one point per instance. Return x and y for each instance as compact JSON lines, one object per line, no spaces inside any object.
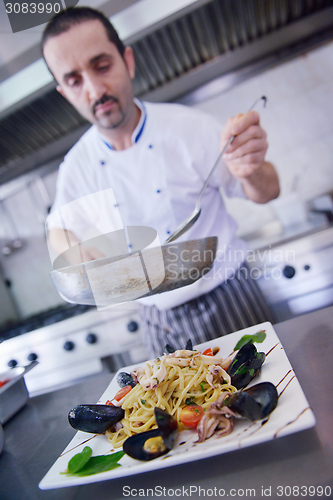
{"x":155,"y":183}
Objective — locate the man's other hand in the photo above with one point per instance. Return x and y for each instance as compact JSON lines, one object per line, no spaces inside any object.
{"x":247,"y":151}
{"x":66,"y":244}
{"x":245,"y":157}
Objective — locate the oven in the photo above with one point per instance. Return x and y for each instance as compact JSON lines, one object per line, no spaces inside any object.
{"x":296,"y":276}
{"x":79,"y":346}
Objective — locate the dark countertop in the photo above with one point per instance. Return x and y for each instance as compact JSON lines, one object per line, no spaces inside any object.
{"x":39,"y":433}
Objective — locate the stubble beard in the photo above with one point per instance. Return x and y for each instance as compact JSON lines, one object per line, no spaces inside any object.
{"x":109,"y":122}
{"x":110,"y":119}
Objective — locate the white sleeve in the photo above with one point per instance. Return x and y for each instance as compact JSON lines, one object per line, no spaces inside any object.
{"x":79,"y":206}
{"x":67,"y":211}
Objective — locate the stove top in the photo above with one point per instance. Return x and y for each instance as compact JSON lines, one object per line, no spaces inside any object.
{"x":44,"y":318}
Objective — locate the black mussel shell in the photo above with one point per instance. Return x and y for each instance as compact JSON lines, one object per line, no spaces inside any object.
{"x":168,"y":349}
{"x":167,"y":429}
{"x":134,"y":446}
{"x":254,"y":403}
{"x":244,"y":354}
{"x":245,"y":365}
{"x":124,"y":379}
{"x":95,"y":418}
{"x":189,"y":345}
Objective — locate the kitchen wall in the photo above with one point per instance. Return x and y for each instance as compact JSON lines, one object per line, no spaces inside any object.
{"x":298,"y":119}
{"x":26,"y":269}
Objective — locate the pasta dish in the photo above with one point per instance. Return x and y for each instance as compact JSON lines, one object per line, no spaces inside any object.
{"x":170,"y":382}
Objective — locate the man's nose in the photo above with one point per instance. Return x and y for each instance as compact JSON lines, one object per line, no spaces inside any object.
{"x":94,"y":87}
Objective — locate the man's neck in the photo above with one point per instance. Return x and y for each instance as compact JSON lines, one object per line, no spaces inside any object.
{"x":121,"y":137}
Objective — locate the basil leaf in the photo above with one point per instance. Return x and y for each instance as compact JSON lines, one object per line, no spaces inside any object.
{"x":100,"y":463}
{"x":79,"y":460}
{"x":258,"y":337}
{"x":92,"y":465}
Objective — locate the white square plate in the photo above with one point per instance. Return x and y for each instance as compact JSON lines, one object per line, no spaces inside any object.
{"x":291,"y":415}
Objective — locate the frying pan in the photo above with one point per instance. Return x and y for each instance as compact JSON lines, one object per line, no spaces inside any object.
{"x":112,"y":280}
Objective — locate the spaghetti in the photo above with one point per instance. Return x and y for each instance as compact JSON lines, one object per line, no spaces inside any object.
{"x":170,"y":382}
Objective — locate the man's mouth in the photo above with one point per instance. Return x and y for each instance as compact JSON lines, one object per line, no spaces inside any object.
{"x":104,"y":105}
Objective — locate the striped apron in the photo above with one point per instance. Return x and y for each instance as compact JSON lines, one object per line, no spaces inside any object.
{"x":235,"y":304}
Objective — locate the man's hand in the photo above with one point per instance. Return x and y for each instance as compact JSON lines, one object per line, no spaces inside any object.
{"x":88,"y":253}
{"x":247,"y":151}
{"x":65,"y":243}
{"x":245,"y":157}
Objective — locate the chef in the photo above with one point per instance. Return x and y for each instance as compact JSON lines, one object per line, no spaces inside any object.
{"x":155,"y":158}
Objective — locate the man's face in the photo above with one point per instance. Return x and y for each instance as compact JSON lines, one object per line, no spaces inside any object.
{"x":92,"y":75}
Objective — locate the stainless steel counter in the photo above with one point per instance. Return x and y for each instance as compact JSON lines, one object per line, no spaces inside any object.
{"x":274,"y":234}
{"x":40,"y":432}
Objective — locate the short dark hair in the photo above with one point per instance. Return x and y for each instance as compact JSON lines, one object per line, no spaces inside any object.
{"x":63,"y":21}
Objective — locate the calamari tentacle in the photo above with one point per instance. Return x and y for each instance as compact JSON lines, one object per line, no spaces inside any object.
{"x":217,"y":372}
{"x":216,"y":417}
{"x":225,"y":426}
{"x":206,"y":427}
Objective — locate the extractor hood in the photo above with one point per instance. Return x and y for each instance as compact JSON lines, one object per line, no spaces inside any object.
{"x":179,"y":46}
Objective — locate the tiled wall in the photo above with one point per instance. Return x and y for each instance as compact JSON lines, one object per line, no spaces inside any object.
{"x":298,"y":119}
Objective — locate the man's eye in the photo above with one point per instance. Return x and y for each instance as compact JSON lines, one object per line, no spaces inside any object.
{"x":73,"y":82}
{"x":103,"y":67}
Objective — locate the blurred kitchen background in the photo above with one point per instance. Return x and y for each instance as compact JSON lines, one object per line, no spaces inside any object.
{"x":218,"y":56}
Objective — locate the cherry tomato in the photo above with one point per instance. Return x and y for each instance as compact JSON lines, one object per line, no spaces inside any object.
{"x":191,"y":415}
{"x":122,"y":392}
{"x":208,"y":352}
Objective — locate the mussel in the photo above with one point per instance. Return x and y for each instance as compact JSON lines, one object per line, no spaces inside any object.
{"x":254,"y":403}
{"x":189,"y":345}
{"x":155,"y":443}
{"x":245,"y":365}
{"x":169,"y":349}
{"x":124,"y":379}
{"x":95,"y":418}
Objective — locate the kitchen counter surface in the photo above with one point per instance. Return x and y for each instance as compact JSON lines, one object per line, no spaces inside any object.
{"x":274,"y":234}
{"x":40,"y":432}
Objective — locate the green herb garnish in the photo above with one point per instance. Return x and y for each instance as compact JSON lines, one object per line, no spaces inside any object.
{"x":242,"y":370}
{"x":143,"y":401}
{"x":258,"y":337}
{"x":190,"y":401}
{"x":79,"y":460}
{"x":83,"y":464}
{"x":202,"y":387}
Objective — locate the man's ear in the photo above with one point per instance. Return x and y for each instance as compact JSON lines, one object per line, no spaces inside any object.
{"x":59,"y":89}
{"x":129,"y":61}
